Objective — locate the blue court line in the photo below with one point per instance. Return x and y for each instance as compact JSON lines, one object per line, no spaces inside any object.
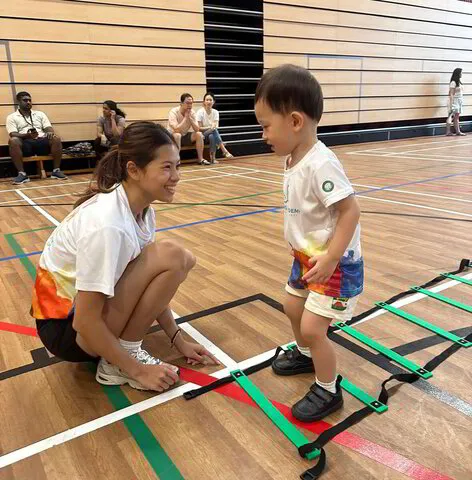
{"x":13,"y":257}
{"x":227,"y":217}
{"x":174,"y":227}
{"x":217,"y":219}
{"x":432,"y":179}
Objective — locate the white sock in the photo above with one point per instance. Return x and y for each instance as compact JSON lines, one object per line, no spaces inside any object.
{"x":330,"y":386}
{"x":304,"y":351}
{"x":130,"y":347}
{"x":56,"y":170}
{"x":23,"y":173}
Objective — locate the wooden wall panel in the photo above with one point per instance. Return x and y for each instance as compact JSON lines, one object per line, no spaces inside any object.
{"x":70,"y":73}
{"x":340,"y":17}
{"x":380,"y":61}
{"x":73,"y":55}
{"x":43,"y":30}
{"x":77,"y":94}
{"x":59,"y":114}
{"x":365,"y":35}
{"x":108,"y":14}
{"x":105,"y":54}
{"x":187,"y":5}
{"x":385,"y":9}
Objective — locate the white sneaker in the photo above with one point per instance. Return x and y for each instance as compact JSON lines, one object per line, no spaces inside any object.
{"x":108,"y":374}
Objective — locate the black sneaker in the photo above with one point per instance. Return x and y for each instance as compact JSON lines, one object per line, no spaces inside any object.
{"x":292,"y":362}
{"x":58,"y":175}
{"x":21,"y":178}
{"x":318,"y":403}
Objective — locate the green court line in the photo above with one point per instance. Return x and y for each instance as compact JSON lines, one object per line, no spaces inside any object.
{"x":160,"y":462}
{"x":52,"y":227}
{"x":26,"y":262}
{"x":220,"y":200}
{"x":213,"y":202}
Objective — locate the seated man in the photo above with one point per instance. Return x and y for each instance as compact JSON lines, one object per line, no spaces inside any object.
{"x":184,"y":126}
{"x":31,"y":133}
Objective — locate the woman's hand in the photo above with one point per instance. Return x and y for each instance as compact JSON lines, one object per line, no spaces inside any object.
{"x":156,"y":377}
{"x":195,"y":353}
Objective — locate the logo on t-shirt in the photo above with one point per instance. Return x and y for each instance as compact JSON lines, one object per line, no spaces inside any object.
{"x":328,"y":186}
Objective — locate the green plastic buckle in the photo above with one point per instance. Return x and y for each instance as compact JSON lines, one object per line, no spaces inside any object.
{"x":423,"y":323}
{"x":457,"y":278}
{"x":290,"y":346}
{"x":363,"y":396}
{"x":286,"y":427}
{"x":442,"y":298}
{"x":408,"y":364}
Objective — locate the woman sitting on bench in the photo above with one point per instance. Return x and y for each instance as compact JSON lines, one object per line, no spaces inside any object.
{"x":110,"y":127}
{"x":208,"y":120}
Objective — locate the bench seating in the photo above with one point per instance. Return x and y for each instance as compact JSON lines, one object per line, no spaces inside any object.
{"x":39,"y":159}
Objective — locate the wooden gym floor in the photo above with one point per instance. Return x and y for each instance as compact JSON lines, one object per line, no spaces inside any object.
{"x":56,"y":422}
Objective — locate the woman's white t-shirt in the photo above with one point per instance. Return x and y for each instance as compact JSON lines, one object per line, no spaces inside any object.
{"x":457,"y":89}
{"x":208,"y":119}
{"x":89,"y":251}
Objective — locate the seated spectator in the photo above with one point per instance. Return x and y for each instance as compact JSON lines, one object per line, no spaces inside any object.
{"x":184,"y":127}
{"x":110,"y":127}
{"x":31,"y":133}
{"x":208,"y":120}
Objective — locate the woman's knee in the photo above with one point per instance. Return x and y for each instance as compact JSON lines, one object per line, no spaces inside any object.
{"x":171,"y":255}
{"x":190,"y":260}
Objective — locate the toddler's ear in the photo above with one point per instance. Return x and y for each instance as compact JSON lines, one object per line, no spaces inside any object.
{"x":298,"y":120}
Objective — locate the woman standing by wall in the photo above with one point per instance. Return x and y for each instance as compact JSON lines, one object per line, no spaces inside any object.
{"x":455,"y":103}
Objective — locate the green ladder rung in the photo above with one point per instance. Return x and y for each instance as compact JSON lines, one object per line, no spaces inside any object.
{"x":442,"y":298}
{"x":286,"y":427}
{"x":457,"y":278}
{"x":463,"y":342}
{"x":355,"y":391}
{"x":363,"y":396}
{"x":408,"y":364}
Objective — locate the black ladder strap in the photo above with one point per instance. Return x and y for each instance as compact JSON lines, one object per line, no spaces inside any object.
{"x":325,"y":437}
{"x":225,"y":380}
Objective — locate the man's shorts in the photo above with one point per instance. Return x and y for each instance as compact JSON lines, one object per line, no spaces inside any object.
{"x":339,"y":309}
{"x":186,"y":140}
{"x":39,"y":146}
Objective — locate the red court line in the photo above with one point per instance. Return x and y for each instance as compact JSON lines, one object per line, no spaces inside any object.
{"x":13,"y":327}
{"x":365,"y":447}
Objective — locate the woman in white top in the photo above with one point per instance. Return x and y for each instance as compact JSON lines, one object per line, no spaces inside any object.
{"x":208,"y":120}
{"x":455,"y":103}
{"x":102,"y":279}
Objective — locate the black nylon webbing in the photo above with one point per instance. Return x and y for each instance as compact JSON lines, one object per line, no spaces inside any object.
{"x":315,"y":471}
{"x":225,"y":380}
{"x":463,"y":265}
